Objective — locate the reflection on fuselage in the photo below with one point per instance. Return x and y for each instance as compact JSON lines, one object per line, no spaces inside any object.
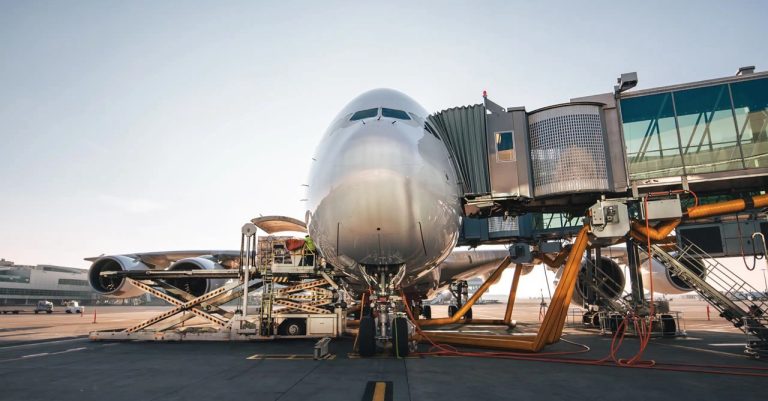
{"x":382,"y":189}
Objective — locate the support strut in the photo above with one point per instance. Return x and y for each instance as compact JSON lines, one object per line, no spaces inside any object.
{"x":480,"y":291}
{"x":512,"y":294}
{"x":554,"y":320}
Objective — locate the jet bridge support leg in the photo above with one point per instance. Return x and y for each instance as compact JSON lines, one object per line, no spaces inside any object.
{"x":463,"y":310}
{"x":512,"y":294}
{"x":552,"y":325}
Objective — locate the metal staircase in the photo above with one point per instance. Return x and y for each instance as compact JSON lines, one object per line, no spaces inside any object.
{"x":733,"y":297}
{"x":266,"y":326}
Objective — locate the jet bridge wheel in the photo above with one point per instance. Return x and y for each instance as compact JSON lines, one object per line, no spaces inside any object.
{"x":400,"y":337}
{"x":366,"y":337}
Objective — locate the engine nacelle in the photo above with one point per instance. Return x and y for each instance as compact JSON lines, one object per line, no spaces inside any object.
{"x":666,"y":282}
{"x":608,"y":277}
{"x":193,"y":285}
{"x":113,"y":286}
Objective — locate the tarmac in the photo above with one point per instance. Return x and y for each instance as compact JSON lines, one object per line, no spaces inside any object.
{"x":74,"y":368}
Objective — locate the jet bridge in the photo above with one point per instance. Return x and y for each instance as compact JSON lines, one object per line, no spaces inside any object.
{"x":710,"y":137}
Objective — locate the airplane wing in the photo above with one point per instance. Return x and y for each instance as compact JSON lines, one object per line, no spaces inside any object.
{"x":227,"y":258}
{"x":161,"y":260}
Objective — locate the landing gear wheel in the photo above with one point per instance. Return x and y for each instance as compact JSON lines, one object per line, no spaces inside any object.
{"x":400,"y":337}
{"x":468,"y":315}
{"x":426,"y":311}
{"x":452,"y":309}
{"x":366,"y":337}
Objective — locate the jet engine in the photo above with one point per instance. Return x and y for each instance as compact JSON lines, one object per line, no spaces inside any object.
{"x":664,"y":281}
{"x":607,"y":281}
{"x":113,"y":286}
{"x":195,"y":285}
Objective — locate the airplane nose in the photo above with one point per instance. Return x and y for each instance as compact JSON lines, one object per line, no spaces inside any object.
{"x":381,"y":195}
{"x":376,"y":146}
{"x":377,"y":196}
{"x":379,"y":213}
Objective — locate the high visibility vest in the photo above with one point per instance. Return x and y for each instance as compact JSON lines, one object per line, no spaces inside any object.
{"x":309,"y":244}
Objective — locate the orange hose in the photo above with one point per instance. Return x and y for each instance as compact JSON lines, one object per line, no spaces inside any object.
{"x":720,"y":208}
{"x":657,"y":233}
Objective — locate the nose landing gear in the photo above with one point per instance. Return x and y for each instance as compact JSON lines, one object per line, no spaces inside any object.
{"x":384,"y":323}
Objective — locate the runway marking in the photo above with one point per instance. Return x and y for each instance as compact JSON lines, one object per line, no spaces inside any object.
{"x":378,"y":391}
{"x":83,"y":338}
{"x":53,"y":353}
{"x":288,"y":356}
{"x":382,"y":356}
{"x":727,"y":344}
{"x":30,"y":356}
{"x":35,"y":355}
{"x":702,"y":350}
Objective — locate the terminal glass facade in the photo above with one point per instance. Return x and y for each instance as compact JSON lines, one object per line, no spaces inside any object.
{"x":709,"y":129}
{"x":750,"y":105}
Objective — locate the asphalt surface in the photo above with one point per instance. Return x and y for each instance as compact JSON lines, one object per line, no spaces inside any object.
{"x":78,"y":369}
{"x":47,"y":357}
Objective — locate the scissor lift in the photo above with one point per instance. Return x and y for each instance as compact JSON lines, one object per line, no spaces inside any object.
{"x":298,"y":298}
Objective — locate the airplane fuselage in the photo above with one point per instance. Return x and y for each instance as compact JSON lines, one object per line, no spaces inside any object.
{"x":383,"y":190}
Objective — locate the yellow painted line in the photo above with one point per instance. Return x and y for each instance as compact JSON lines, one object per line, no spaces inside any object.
{"x":379,"y":391}
{"x":352,"y":355}
{"x":297,"y":357}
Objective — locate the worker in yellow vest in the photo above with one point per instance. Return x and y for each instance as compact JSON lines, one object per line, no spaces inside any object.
{"x":309,"y":251}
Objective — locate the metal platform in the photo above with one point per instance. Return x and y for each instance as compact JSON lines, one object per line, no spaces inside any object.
{"x":298,"y":298}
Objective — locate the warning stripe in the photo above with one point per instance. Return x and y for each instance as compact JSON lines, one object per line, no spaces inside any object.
{"x":378,"y":391}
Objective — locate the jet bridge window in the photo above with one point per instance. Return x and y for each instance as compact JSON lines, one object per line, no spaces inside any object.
{"x":505,"y":148}
{"x":368,"y":113}
{"x":431,"y":130}
{"x":392,"y":113}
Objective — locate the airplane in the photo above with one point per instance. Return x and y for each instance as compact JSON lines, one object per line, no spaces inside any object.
{"x":383,"y":208}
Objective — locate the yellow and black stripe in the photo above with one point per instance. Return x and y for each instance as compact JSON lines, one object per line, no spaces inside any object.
{"x":378,"y":391}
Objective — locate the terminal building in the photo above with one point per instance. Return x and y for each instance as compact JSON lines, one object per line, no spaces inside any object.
{"x":25,"y":285}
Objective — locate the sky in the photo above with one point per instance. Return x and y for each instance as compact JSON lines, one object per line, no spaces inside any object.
{"x":162,"y":125}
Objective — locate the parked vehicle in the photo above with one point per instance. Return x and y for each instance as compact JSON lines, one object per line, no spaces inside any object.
{"x":44,"y":306}
{"x":73,"y":307}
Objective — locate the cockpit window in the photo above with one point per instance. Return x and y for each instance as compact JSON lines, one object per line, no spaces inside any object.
{"x":392,"y":113}
{"x":368,"y":113}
